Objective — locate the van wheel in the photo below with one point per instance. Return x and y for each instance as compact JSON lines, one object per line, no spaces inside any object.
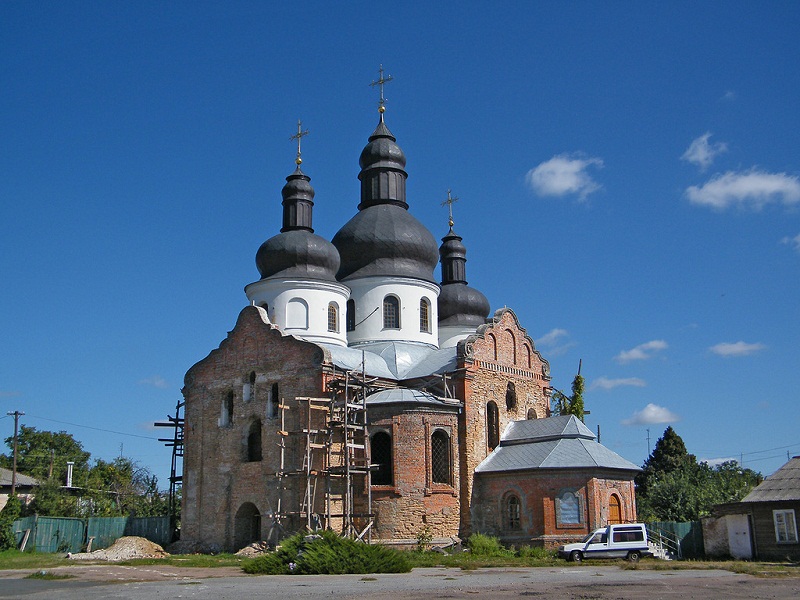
{"x":576,"y":556}
{"x":634,"y":556}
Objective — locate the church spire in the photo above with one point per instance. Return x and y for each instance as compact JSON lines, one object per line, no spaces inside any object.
{"x":452,"y":252}
{"x":383,"y":176}
{"x":298,"y":195}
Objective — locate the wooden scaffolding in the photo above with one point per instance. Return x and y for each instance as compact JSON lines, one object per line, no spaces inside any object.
{"x":335,"y":463}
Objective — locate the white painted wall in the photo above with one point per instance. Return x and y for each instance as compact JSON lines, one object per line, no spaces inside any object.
{"x":450,"y":336}
{"x":300,"y":307}
{"x":368,"y":294}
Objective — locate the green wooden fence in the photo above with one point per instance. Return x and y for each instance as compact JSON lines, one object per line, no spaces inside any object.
{"x":60,"y":534}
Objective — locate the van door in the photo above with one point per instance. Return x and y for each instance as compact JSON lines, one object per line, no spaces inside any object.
{"x":597,"y":546}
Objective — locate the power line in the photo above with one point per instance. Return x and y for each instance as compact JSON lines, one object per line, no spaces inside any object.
{"x":145,"y":437}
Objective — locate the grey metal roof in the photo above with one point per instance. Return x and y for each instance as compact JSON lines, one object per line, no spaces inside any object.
{"x":554,"y":443}
{"x":394,"y":360}
{"x":407,"y":396}
{"x":783,"y":484}
{"x":22,"y":480}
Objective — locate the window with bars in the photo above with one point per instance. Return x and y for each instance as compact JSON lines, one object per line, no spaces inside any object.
{"x":512,"y":512}
{"x":333,"y":317}
{"x":440,"y":457}
{"x":381,"y":453}
{"x":424,"y":315}
{"x":391,"y":312}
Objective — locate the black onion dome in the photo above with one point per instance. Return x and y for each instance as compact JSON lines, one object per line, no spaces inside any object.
{"x":458,"y":303}
{"x":384,"y":238}
{"x":297,"y":251}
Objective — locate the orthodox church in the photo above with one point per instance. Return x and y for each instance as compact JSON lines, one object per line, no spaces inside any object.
{"x":358,"y":393}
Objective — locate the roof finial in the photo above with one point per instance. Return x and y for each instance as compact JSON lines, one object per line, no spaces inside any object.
{"x":300,"y":133}
{"x":450,"y":201}
{"x":381,"y":81}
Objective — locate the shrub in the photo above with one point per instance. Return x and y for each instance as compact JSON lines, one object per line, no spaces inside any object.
{"x":485,"y":545}
{"x":8,"y":515}
{"x":327,"y":554}
{"x":535,"y":552}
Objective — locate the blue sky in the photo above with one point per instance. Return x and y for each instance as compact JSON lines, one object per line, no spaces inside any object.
{"x":627,"y":176}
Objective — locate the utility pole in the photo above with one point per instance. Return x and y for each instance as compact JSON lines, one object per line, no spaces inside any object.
{"x":17,"y":414}
{"x":648,"y":441}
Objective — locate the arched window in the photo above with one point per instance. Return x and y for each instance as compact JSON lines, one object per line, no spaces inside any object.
{"x":351,"y":315}
{"x":391,"y":312}
{"x":381,"y":453}
{"x":273,"y":402}
{"x":532,"y":414}
{"x":512,"y":512}
{"x":333,"y":317}
{"x":254,"y":442}
{"x":424,"y":315}
{"x":297,"y":314}
{"x":513,"y":343}
{"x":249,"y":389}
{"x":528,"y":356}
{"x":614,"y":509}
{"x":440,"y":457}
{"x":493,"y":344}
{"x":492,"y":425}
{"x":511,"y":396}
{"x":226,"y":415}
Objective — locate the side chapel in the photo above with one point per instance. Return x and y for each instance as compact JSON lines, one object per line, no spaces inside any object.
{"x":357,"y":393}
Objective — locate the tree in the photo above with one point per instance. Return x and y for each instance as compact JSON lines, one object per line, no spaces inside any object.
{"x":673,"y":486}
{"x":44,"y":454}
{"x":571,"y":405}
{"x":10,"y":513}
{"x":121,"y":487}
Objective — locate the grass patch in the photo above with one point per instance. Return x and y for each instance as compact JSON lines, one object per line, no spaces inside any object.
{"x":204,"y":561}
{"x":14,"y":559}
{"x":47,"y":576}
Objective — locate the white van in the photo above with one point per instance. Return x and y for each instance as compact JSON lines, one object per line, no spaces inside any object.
{"x":615,"y":541}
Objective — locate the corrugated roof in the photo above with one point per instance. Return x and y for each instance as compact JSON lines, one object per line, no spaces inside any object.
{"x":783,"y":484}
{"x":554,"y":443}
{"x":23,"y":480}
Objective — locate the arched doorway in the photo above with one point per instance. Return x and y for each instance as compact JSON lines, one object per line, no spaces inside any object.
{"x":614,"y":509}
{"x":247,"y":526}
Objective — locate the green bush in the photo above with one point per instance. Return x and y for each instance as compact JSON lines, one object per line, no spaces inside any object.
{"x":485,"y":545}
{"x":8,"y":515}
{"x":327,"y":554}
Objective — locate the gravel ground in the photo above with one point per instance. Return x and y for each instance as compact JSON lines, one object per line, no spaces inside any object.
{"x":572,"y":583}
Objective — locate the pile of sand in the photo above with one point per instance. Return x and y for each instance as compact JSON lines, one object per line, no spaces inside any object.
{"x":125,"y":548}
{"x":254,"y":549}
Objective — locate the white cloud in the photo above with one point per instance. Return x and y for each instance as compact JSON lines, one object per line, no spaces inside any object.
{"x":641,"y":352}
{"x":794,"y":242}
{"x":737,"y":349}
{"x":155,"y":381}
{"x":652,"y":414}
{"x":604,"y":383}
{"x":749,"y":189}
{"x":729,"y":96}
{"x":701,"y":153}
{"x":556,"y":341}
{"x":564,"y":174}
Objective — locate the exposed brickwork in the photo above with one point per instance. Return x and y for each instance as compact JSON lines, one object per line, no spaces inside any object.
{"x":538,"y":492}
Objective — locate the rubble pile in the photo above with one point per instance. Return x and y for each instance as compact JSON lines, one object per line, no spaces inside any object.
{"x":125,"y":548}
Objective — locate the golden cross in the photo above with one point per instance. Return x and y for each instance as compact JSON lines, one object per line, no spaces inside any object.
{"x":300,"y":133}
{"x":450,"y":200}
{"x":381,"y":81}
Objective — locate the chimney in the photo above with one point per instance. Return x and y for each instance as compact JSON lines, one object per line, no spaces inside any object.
{"x":70,"y":464}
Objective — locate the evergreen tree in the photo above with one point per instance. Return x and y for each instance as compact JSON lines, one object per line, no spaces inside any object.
{"x":570,"y":405}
